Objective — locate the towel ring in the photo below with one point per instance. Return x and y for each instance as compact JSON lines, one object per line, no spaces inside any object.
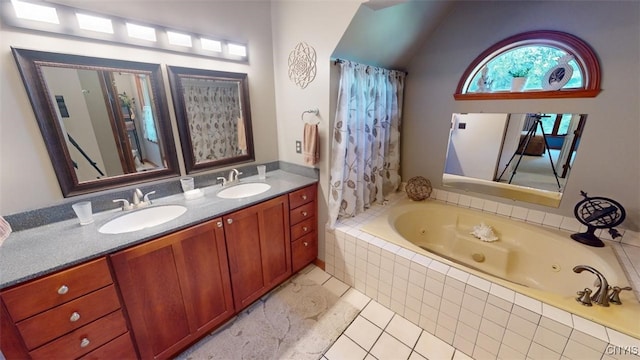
{"x":311,"y":111}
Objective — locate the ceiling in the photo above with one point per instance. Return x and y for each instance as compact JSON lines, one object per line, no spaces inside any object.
{"x":387,"y":33}
{"x":384,"y":33}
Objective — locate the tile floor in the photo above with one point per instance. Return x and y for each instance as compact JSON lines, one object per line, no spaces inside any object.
{"x":379,"y":333}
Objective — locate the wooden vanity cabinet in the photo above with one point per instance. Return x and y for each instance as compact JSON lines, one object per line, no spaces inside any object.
{"x":70,"y":314}
{"x":175,"y":288}
{"x":258,"y":247}
{"x":304,"y":228}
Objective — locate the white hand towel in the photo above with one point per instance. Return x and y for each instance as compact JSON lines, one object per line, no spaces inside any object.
{"x":242,"y":137}
{"x":5,"y":230}
{"x":311,"y":144}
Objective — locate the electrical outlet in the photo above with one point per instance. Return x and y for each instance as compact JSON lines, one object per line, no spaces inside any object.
{"x":298,"y":146}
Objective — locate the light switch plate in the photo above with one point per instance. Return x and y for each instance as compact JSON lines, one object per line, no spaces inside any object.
{"x":298,"y":146}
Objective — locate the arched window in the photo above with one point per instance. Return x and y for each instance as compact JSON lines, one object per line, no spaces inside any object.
{"x":555,"y":65}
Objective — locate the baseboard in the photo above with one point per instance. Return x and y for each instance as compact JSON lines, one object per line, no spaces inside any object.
{"x":319,"y":263}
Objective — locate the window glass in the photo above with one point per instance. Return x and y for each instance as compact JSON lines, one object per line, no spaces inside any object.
{"x":555,"y":124}
{"x":536,"y":60}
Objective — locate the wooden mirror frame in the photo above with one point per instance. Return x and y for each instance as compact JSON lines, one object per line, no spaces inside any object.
{"x":29,"y":62}
{"x":584,"y":56}
{"x":176,"y":74}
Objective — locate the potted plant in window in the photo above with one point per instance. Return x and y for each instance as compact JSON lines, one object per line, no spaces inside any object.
{"x":519,"y":78}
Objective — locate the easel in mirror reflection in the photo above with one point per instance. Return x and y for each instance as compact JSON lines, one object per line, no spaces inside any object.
{"x":536,"y":124}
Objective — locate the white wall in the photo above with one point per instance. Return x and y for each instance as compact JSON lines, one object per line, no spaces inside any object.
{"x":320,"y":24}
{"x":101,"y":122}
{"x":473,"y":150}
{"x":27,"y":178}
{"x":607,"y":164}
{"x":67,"y":83}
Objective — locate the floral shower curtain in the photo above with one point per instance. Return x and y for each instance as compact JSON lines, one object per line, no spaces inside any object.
{"x":213,"y":111}
{"x":365,"y":151}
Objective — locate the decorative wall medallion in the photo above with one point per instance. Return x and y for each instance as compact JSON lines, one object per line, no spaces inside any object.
{"x":302,"y":64}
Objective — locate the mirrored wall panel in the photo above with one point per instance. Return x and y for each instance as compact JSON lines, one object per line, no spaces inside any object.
{"x":526,"y":157}
{"x":105,"y":122}
{"x":213,"y":115}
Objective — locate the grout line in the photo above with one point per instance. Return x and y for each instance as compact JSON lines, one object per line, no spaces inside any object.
{"x":384,"y":330}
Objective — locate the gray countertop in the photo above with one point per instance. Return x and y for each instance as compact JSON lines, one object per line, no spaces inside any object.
{"x":31,"y":253}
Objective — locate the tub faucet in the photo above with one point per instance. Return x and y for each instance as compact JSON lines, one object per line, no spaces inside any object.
{"x":601,"y":296}
{"x":614,"y":298}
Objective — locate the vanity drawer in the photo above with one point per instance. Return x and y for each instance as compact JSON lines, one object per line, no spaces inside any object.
{"x":84,"y":339}
{"x":303,"y":228}
{"x":302,"y":196}
{"x":301,"y":213}
{"x":118,"y":348}
{"x":67,"y":317}
{"x":304,"y":251}
{"x":42,"y":294}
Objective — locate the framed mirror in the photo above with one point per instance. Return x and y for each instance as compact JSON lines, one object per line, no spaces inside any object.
{"x":526,"y":157}
{"x":214,"y":117}
{"x":105,"y":122}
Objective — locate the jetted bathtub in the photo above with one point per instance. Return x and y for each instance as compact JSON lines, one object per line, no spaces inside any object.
{"x":529,"y":259}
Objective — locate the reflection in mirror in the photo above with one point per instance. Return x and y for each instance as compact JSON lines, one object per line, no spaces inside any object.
{"x":104,"y":121}
{"x":525,"y":157}
{"x":213,"y":114}
{"x":105,"y":145}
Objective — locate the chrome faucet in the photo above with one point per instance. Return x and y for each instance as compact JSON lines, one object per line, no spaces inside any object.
{"x":601,"y":296}
{"x":137,"y":197}
{"x":146,"y":199}
{"x":139,"y":200}
{"x":232,"y":179}
{"x":234,"y":176}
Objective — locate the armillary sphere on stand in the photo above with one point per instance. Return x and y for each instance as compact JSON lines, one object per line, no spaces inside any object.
{"x":597,"y":213}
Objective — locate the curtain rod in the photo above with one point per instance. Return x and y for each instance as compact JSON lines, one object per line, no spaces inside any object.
{"x":339,"y":61}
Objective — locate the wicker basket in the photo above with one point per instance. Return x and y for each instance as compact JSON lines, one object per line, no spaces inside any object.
{"x":418,"y":188}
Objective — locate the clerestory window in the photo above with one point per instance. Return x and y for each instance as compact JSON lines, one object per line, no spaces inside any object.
{"x":550,"y":64}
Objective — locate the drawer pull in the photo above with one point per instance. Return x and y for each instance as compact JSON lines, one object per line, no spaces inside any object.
{"x":304,"y":197}
{"x":305,"y":244}
{"x":229,"y":221}
{"x":63,"y":289}
{"x":74,"y":317}
{"x":305,"y":229}
{"x":84,"y":343}
{"x":304,"y":213}
{"x":219,"y":223}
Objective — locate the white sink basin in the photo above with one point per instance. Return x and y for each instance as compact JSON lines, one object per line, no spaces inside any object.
{"x":142,"y":219}
{"x":243,"y":190}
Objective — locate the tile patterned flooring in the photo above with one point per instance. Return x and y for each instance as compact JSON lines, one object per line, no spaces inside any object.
{"x":379,"y":333}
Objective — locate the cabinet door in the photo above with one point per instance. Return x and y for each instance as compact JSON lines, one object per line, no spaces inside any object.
{"x":258,"y":248}
{"x":206,"y":282}
{"x":175,"y":288}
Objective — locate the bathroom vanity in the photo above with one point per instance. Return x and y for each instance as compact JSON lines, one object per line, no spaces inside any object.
{"x":69,"y":314}
{"x":153,"y":295}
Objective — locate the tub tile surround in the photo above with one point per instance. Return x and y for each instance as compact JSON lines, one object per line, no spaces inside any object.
{"x":481,"y":319}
